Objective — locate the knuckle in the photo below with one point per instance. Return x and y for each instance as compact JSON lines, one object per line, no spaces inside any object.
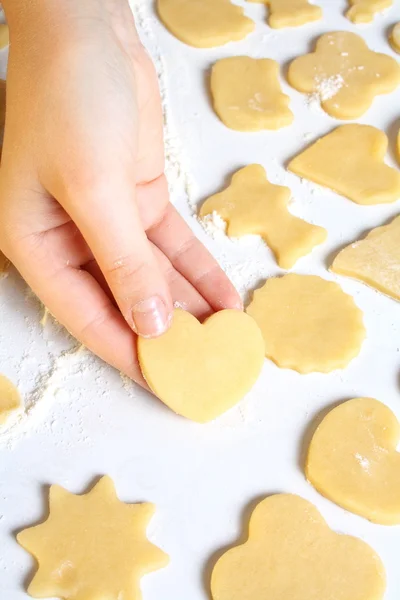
{"x":126,"y":270}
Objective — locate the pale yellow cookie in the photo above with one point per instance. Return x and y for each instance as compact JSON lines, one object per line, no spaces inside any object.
{"x":253,"y":205}
{"x":4,"y":36}
{"x":202,"y":370}
{"x":91,"y":546}
{"x":10,"y":400}
{"x":364,"y":11}
{"x":204,"y":23}
{"x":292,"y":554}
{"x":247,"y":95}
{"x":291,"y":13}
{"x":374,"y":260}
{"x":308,"y":323}
{"x":350,"y":161}
{"x":344,"y":74}
{"x":394,"y":38}
{"x":352,"y":460}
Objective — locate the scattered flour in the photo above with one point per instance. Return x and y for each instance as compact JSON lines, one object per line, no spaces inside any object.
{"x":326,"y":88}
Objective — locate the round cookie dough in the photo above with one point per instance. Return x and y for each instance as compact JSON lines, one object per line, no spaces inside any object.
{"x":308,"y":323}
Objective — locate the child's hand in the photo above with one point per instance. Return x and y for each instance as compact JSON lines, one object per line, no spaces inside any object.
{"x":84,"y":209}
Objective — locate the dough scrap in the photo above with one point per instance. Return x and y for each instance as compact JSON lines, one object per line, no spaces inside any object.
{"x":10,"y":400}
{"x":364,"y":11}
{"x":253,"y":205}
{"x":247,"y":95}
{"x":350,"y":161}
{"x":344,"y":74}
{"x":4,"y":36}
{"x":204,"y":23}
{"x":292,"y":554}
{"x":202,"y":370}
{"x":291,"y":13}
{"x":92,"y":546}
{"x":352,"y":460}
{"x":309,"y":324}
{"x":374,"y":260}
{"x":394,"y":38}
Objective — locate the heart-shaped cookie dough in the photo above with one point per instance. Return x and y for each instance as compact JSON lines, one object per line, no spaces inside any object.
{"x":352,"y":460}
{"x":291,"y":554}
{"x":202,"y":370}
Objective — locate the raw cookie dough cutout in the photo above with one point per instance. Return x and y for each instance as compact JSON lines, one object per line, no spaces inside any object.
{"x":291,"y":13}
{"x":352,"y":460}
{"x":309,"y":324}
{"x":292,"y":554}
{"x":204,"y":23}
{"x":344,"y":74}
{"x":394,"y":38}
{"x":253,"y":205}
{"x":91,"y":546}
{"x":10,"y":400}
{"x":202,"y":370}
{"x":247,"y":95}
{"x":350,"y":161}
{"x":374,"y":260}
{"x":364,"y":11}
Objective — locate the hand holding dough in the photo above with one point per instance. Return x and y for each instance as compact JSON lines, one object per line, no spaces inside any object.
{"x":350,"y":161}
{"x":247,"y":95}
{"x":344,"y":74}
{"x":364,"y":11}
{"x":204,"y":23}
{"x":292,"y":554}
{"x":291,"y":13}
{"x":309,"y":324}
{"x":10,"y":400}
{"x":202,"y":370}
{"x":91,"y":546}
{"x":253,"y":205}
{"x":352,"y":460}
{"x":374,"y":260}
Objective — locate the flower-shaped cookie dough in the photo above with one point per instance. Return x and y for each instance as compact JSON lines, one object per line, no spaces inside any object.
{"x":344,"y":74}
{"x":292,"y":554}
{"x":352,"y":460}
{"x":291,"y":13}
{"x":374,"y":260}
{"x":92,"y":546}
{"x":10,"y":400}
{"x":364,"y":11}
{"x":247,"y":95}
{"x":253,"y":205}
{"x":204,"y":23}
{"x":394,"y":38}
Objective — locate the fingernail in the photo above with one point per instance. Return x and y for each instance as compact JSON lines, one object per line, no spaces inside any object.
{"x":150,"y":317}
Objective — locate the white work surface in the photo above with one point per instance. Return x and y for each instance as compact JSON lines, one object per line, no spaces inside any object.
{"x":83,"y":420}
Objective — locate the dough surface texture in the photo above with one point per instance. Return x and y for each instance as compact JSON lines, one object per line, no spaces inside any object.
{"x":292,"y":554}
{"x":364,"y":11}
{"x":374,"y":260}
{"x":308,"y":323}
{"x":352,"y":460}
{"x":202,"y":370}
{"x":253,"y":205}
{"x":350,"y":161}
{"x":344,"y":74}
{"x":204,"y":23}
{"x":291,"y":13}
{"x":10,"y":400}
{"x":247,"y":95}
{"x":91,"y":547}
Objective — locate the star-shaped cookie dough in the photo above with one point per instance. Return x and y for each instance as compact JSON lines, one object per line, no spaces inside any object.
{"x":92,"y":546}
{"x":252,"y":205}
{"x":291,"y":13}
{"x":364,"y":11}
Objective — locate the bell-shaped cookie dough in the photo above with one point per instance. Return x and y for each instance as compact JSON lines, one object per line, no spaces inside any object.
{"x":364,"y":11}
{"x":204,"y":23}
{"x":353,"y":461}
{"x":252,"y":205}
{"x":291,"y":13}
{"x":394,"y":38}
{"x":10,"y":400}
{"x":344,"y":74}
{"x":350,"y":161}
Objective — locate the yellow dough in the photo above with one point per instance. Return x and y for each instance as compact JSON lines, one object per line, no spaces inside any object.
{"x":92,"y":547}
{"x":309,"y":324}
{"x":253,"y":205}
{"x":352,"y":460}
{"x":202,"y":370}
{"x":374,"y":260}
{"x":395,"y":38}
{"x":4,"y":36}
{"x":364,"y":11}
{"x":292,"y":554}
{"x":350,"y":161}
{"x":291,"y":13}
{"x":204,"y":23}
{"x":10,"y":400}
{"x":344,"y":74}
{"x":247,"y":95}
